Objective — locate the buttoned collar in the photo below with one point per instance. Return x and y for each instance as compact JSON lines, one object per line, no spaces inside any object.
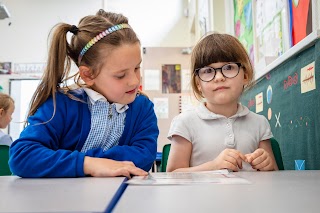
{"x":95,"y":96}
{"x":206,"y":114}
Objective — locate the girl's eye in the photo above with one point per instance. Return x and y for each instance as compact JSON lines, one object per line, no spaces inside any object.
{"x":120,"y":77}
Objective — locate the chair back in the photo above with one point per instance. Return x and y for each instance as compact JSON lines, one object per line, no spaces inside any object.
{"x":4,"y":158}
{"x":277,"y":153}
{"x":165,"y":155}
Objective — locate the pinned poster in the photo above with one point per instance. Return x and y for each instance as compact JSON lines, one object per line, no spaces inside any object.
{"x":185,"y":80}
{"x":151,"y":81}
{"x":259,"y":102}
{"x":171,"y":78}
{"x":307,"y":79}
{"x":161,"y":107}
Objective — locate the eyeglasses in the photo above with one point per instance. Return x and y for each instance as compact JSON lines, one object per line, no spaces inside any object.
{"x":207,"y":74}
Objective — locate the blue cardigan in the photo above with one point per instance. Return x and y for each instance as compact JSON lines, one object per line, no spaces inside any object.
{"x":53,"y":149}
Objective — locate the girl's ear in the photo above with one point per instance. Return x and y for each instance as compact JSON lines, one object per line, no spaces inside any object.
{"x":245,"y":79}
{"x":1,"y":112}
{"x":86,"y":75}
{"x":198,"y":85}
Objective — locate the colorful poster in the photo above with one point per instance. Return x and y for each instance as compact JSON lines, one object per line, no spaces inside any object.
{"x":171,"y":78}
{"x":243,"y":25}
{"x":5,"y":68}
{"x":301,"y":19}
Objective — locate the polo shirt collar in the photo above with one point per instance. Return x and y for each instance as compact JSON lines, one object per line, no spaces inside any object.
{"x":206,"y":114}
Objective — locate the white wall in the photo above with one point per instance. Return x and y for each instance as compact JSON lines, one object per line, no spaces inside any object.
{"x":25,"y":41}
{"x":158,"y":23}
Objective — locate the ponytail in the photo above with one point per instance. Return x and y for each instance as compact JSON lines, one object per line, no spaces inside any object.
{"x":56,"y":71}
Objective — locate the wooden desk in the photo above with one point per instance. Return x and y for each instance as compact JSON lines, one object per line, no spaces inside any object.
{"x":56,"y":194}
{"x":280,"y":191}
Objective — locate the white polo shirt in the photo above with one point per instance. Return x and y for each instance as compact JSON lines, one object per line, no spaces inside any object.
{"x":211,"y":133}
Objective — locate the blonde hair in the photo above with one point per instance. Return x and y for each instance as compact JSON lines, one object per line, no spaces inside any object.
{"x":215,"y":48}
{"x":61,"y":53}
{"x":5,"y":101}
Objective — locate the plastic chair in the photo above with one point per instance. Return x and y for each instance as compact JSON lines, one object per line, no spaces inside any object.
{"x":274,"y":144}
{"x":277,"y":153}
{"x":4,"y":158}
{"x":165,"y":155}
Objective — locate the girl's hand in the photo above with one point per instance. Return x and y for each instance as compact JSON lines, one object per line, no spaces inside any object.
{"x":101,"y":167}
{"x":260,"y":160}
{"x":229,"y":159}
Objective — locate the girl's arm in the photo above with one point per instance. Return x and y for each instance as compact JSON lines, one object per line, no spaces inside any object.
{"x":263,"y":158}
{"x":180,"y":154}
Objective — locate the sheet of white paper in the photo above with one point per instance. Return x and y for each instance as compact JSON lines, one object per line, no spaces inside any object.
{"x":152,"y":80}
{"x":161,"y":107}
{"x":175,"y":178}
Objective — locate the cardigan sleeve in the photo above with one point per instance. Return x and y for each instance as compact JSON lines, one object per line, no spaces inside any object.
{"x":44,"y":148}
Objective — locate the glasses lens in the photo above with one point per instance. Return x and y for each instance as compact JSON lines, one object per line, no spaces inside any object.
{"x":206,"y":73}
{"x":230,"y":70}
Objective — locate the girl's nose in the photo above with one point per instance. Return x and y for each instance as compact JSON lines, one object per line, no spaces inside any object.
{"x":134,"y":79}
{"x":219,"y":76}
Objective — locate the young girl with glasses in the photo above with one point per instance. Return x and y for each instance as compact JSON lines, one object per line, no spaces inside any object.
{"x":101,"y":126}
{"x":220,"y":133}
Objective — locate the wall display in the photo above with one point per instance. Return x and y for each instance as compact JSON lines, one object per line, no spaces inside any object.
{"x":291,"y":103}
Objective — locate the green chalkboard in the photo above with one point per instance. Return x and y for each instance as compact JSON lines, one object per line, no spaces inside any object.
{"x":290,"y":100}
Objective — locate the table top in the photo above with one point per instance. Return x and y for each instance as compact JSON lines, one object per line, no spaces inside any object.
{"x":56,"y":194}
{"x":278,"y":191}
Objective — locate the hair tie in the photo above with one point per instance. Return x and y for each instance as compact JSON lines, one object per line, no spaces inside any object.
{"x":74,"y":29}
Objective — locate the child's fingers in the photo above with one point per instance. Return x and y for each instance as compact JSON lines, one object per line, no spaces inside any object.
{"x":230,"y":166}
{"x":128,"y":171}
{"x":258,"y":160}
{"x":236,"y":155}
{"x":251,"y":157}
{"x":138,"y":171}
{"x":265,"y":165}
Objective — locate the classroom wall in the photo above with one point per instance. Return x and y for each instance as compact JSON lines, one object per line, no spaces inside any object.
{"x":161,"y":23}
{"x":158,"y":23}
{"x":153,"y":59}
{"x":25,"y":40}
